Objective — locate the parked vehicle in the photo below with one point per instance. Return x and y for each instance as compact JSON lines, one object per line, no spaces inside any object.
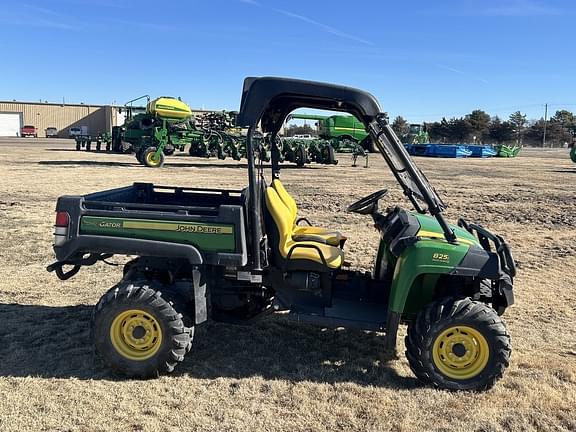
{"x":75,"y":131}
{"x":51,"y":132}
{"x":236,"y":254}
{"x":29,"y":131}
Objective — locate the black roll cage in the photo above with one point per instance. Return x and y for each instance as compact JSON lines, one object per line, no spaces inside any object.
{"x":269,"y":100}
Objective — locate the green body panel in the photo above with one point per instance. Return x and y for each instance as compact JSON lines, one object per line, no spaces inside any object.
{"x":417,"y":270}
{"x":429,"y":224}
{"x":573,"y":154}
{"x":426,"y":257}
{"x":205,"y":236}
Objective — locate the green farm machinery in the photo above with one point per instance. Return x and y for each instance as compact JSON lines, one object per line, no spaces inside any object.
{"x":155,"y":133}
{"x":343,"y":127}
{"x":168,"y":125}
{"x":339,"y":133}
{"x":215,"y":135}
{"x":507,"y":151}
{"x":102,"y":139}
{"x":417,"y":134}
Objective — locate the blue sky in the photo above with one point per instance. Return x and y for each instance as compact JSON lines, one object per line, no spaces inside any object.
{"x":421,"y":59}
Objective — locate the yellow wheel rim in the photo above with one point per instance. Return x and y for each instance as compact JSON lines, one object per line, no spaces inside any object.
{"x":136,"y":335}
{"x":460,"y":352}
{"x":151,"y":159}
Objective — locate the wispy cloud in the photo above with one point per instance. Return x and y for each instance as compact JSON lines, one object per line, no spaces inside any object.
{"x":324,"y":27}
{"x":460,"y":72}
{"x":35,"y":16}
{"x":519,"y":8}
{"x":143,"y":25}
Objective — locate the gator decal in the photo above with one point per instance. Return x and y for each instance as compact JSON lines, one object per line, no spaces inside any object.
{"x":210,"y":237}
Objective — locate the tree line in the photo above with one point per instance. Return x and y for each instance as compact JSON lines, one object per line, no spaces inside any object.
{"x":480,"y":127}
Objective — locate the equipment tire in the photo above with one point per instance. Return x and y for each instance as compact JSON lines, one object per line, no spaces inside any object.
{"x":300,"y":156}
{"x":329,"y":155}
{"x":138,"y":155}
{"x":148,"y":158}
{"x":458,"y":344}
{"x":169,"y":150}
{"x":162,"y":339}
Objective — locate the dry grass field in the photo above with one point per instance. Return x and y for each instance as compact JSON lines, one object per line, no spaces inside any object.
{"x":278,"y":376}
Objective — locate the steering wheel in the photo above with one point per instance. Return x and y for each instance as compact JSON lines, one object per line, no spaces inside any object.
{"x":367,"y":204}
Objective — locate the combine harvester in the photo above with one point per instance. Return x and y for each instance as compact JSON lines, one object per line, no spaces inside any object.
{"x":337,"y":134}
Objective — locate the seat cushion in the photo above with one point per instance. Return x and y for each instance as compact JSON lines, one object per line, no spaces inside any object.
{"x":332,"y":254}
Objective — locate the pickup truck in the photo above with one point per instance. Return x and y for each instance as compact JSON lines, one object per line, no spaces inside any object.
{"x":51,"y":132}
{"x":235,"y":255}
{"x":29,"y":131}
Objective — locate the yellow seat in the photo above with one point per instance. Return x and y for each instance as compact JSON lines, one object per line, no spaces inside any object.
{"x":331,"y":237}
{"x":301,"y":250}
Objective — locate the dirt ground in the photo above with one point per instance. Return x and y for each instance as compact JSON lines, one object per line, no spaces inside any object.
{"x":278,"y":376}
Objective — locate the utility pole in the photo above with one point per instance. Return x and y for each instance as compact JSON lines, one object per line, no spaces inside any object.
{"x":545,"y":123}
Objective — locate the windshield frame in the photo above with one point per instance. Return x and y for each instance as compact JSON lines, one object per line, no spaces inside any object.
{"x":414,"y":183}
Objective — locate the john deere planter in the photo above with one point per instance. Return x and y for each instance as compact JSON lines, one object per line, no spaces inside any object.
{"x":153,"y":134}
{"x":167,"y":125}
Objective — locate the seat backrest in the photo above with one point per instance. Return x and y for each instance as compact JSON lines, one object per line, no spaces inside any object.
{"x":282,"y":218}
{"x":286,"y":199}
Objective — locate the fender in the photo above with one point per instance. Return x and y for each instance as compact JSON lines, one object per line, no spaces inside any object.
{"x":425,"y":257}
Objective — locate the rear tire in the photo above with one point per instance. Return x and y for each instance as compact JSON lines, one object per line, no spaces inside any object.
{"x":458,"y":344}
{"x":138,"y":333}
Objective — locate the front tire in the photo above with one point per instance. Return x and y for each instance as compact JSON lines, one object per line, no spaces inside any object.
{"x":458,"y":344}
{"x":151,"y":159}
{"x":139,"y":333}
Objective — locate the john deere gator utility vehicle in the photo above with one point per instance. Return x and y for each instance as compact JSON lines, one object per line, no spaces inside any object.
{"x":238,"y":254}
